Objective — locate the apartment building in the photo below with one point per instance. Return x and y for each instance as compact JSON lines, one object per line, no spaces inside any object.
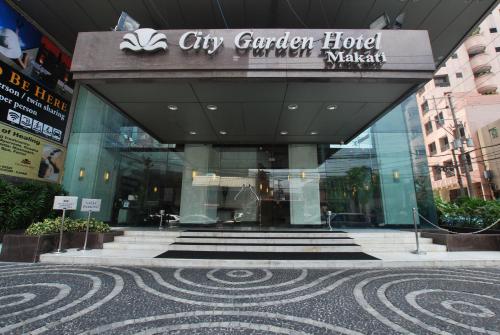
{"x":462,"y":98}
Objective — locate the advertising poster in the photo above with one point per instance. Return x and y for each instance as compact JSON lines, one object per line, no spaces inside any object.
{"x":31,"y":107}
{"x":27,"y":156}
{"x":33,"y":53}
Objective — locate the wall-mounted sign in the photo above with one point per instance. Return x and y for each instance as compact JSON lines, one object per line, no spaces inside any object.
{"x":27,"y":156}
{"x":335,"y":46}
{"x":91,"y":205}
{"x":26,"y":105}
{"x":64,"y":202}
{"x":233,"y":53}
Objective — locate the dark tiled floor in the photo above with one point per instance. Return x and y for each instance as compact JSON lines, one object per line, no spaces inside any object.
{"x":43,"y":299}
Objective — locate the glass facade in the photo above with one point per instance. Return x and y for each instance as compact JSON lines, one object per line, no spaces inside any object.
{"x":373,"y":181}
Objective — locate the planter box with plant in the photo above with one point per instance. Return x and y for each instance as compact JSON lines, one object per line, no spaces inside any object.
{"x":467,"y":215}
{"x":43,"y":237}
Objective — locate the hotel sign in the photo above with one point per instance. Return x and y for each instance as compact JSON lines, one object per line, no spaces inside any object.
{"x":243,"y":53}
{"x":336,"y":48}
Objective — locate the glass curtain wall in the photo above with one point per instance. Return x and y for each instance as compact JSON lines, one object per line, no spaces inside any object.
{"x":373,"y":181}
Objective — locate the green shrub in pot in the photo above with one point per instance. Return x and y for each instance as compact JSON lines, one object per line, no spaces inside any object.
{"x":51,"y":226}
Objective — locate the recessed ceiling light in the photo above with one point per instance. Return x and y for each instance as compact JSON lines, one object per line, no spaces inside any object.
{"x":173,"y":107}
{"x":223,"y":132}
{"x":314,"y":133}
{"x":284,"y":132}
{"x":332,"y":107}
{"x":293,"y":107}
{"x":212,"y":107}
{"x":192,"y":132}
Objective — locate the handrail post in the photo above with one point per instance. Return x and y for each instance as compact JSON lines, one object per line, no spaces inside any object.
{"x":415,"y":223}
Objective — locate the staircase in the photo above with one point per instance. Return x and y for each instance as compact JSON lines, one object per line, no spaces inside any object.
{"x":259,"y":249}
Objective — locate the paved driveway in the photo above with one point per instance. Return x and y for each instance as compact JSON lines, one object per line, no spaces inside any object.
{"x":43,"y":299}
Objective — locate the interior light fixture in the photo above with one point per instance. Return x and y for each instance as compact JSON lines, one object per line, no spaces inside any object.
{"x":155,"y":189}
{"x":212,"y":107}
{"x":192,"y":132}
{"x":284,"y":132}
{"x":106,"y":176}
{"x":193,"y":174}
{"x":303,"y":175}
{"x":293,"y":107}
{"x":396,"y":175}
{"x":223,"y":132}
{"x":313,"y":133}
{"x":331,"y":107}
{"x":81,"y":174}
{"x":173,"y":107}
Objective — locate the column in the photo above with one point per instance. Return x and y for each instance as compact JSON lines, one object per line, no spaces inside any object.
{"x":304,"y":184}
{"x":198,"y":201}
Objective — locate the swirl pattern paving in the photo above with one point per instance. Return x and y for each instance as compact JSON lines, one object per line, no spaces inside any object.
{"x":64,"y":299}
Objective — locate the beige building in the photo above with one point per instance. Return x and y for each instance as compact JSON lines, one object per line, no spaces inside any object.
{"x":470,"y":79}
{"x":489,"y":139}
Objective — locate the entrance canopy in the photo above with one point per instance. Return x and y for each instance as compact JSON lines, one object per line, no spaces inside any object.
{"x":253,"y":86}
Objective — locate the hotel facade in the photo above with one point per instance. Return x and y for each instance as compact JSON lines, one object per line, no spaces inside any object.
{"x":251,"y":113}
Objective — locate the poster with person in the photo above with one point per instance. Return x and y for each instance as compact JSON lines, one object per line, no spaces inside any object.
{"x":23,"y":46}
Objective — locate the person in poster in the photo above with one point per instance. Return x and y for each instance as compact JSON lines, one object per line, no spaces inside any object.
{"x":19,"y":40}
{"x":51,"y":163}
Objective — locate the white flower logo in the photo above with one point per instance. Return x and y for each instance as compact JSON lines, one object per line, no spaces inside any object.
{"x":144,"y":39}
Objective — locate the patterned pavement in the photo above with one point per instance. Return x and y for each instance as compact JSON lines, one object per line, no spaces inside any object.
{"x":59,"y":299}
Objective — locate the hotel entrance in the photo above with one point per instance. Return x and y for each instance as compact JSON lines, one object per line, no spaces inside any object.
{"x":247,"y":137}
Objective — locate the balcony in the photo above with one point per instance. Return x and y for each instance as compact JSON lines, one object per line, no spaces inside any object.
{"x":480,"y":63}
{"x":486,"y":83}
{"x":475,"y":44}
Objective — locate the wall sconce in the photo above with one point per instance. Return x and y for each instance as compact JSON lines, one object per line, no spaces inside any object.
{"x":193,"y":174}
{"x":260,"y":187}
{"x":106,"y":176}
{"x":396,"y":176}
{"x":81,"y":174}
{"x":155,"y":189}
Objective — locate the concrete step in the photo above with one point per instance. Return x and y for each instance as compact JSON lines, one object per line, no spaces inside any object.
{"x":264,"y":241}
{"x":106,"y":258}
{"x":152,"y":233}
{"x":270,"y":235}
{"x":390,"y":248}
{"x":135,"y":246}
{"x":145,"y":239}
{"x":391,"y":241}
{"x":264,"y":248}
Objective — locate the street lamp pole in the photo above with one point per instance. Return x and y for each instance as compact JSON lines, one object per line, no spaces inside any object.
{"x":458,"y":137}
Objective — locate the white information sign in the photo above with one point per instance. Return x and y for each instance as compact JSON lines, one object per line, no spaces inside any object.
{"x":63,"y":202}
{"x":91,"y":205}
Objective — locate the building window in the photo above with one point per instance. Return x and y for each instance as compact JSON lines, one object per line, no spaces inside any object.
{"x":493,"y":30}
{"x":493,"y":132}
{"x":436,"y":172}
{"x":439,"y":119}
{"x":428,"y":127}
{"x":442,"y":81}
{"x":432,"y":149}
{"x":454,"y":56}
{"x":425,"y":107}
{"x":462,"y":131}
{"x":449,"y":169}
{"x":469,"y":162}
{"x":482,"y":72}
{"x":459,"y":75}
{"x":444,"y":144}
{"x":497,"y":49}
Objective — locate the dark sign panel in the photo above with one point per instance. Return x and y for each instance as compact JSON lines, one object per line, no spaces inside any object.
{"x":29,"y":106}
